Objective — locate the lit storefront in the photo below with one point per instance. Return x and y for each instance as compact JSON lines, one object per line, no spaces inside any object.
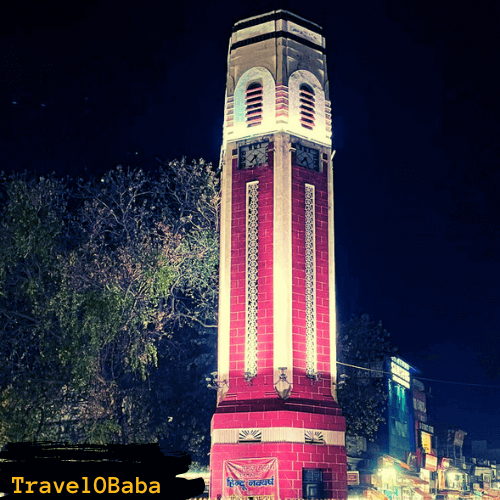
{"x":453,"y":482}
{"x":397,"y":481}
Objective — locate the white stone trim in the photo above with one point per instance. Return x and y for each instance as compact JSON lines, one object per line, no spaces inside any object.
{"x":332,"y":299}
{"x":223,"y":336}
{"x":279,"y":435}
{"x":305,"y":33}
{"x":252,"y":31}
{"x":282,"y":258}
{"x":278,"y":25}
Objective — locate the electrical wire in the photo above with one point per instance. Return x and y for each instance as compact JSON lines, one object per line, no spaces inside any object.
{"x":422,"y":378}
{"x":364,"y":368}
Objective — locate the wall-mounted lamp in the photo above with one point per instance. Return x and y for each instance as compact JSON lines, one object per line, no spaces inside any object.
{"x":343,"y":379}
{"x":214,"y":383}
{"x":282,"y":386}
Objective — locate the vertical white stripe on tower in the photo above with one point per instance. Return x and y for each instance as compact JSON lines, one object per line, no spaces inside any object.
{"x":331,"y":280}
{"x":282,"y":259}
{"x":225,"y":271}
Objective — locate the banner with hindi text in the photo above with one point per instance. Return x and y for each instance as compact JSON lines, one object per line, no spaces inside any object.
{"x":251,"y":477}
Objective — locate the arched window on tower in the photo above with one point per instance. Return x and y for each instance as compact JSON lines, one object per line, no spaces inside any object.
{"x":306,"y":97}
{"x":253,"y":104}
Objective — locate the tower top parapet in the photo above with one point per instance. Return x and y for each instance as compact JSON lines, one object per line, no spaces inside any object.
{"x":274,"y":24}
{"x":286,"y":18}
{"x":274,"y":15}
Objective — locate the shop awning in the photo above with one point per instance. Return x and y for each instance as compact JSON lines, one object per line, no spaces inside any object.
{"x":366,"y":492}
{"x":373,"y":494}
{"x":412,"y":476}
{"x":490,"y":493}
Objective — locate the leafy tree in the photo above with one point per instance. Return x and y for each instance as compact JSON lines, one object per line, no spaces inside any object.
{"x":363,"y":345}
{"x":32,"y":225}
{"x":101,"y":281}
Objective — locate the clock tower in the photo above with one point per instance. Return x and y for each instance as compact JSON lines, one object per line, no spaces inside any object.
{"x":277,"y":430}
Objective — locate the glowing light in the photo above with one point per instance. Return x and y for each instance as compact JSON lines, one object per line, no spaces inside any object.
{"x":388,"y":474}
{"x":400,"y":372}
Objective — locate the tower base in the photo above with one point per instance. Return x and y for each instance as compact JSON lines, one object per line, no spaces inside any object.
{"x":305,"y":439}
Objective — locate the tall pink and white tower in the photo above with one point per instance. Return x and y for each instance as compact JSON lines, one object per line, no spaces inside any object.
{"x":277,"y":429}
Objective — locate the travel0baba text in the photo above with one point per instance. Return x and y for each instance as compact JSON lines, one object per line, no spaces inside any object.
{"x":98,"y":485}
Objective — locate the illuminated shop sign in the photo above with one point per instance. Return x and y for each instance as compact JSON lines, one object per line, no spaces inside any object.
{"x":426,"y":442}
{"x":400,"y":372}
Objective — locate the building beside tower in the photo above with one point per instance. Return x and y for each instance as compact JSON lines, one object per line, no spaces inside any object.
{"x":277,"y":429}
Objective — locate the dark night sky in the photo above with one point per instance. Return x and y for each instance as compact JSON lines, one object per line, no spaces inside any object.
{"x":415,"y":105}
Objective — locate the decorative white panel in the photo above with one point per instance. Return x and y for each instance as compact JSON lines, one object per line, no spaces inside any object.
{"x":252,"y":266}
{"x":314,"y":437}
{"x":250,"y":436}
{"x":310,"y":257}
{"x":279,"y":435}
{"x":283,"y":435}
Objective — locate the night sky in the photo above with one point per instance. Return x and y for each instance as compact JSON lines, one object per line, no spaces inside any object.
{"x":415,"y":111}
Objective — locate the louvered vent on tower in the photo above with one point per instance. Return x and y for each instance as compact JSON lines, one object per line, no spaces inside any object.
{"x":253,"y":103}
{"x":306,"y":106}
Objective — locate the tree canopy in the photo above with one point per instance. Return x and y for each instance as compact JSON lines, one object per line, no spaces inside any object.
{"x":363,"y":345}
{"x":105,"y":285}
